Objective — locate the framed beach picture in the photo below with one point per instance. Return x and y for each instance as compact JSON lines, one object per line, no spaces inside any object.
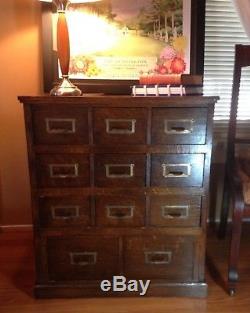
{"x":114,"y":43}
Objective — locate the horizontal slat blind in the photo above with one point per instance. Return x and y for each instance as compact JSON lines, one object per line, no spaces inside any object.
{"x":224,"y":30}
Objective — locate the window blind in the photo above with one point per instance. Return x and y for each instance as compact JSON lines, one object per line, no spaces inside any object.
{"x":223,"y":30}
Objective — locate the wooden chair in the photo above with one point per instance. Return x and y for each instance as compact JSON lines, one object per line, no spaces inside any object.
{"x":237,"y":172}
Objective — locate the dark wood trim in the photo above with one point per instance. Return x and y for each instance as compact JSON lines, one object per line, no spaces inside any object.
{"x":125,"y":149}
{"x":97,"y":100}
{"x":46,"y":192}
{"x":16,"y":228}
{"x":97,"y":231}
{"x":197,"y":37}
{"x":198,"y":290}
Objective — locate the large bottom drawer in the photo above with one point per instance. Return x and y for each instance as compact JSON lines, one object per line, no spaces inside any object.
{"x":169,"y":258}
{"x":82,"y":257}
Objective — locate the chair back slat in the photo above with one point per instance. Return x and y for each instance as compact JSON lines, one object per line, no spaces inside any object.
{"x":242,"y":59}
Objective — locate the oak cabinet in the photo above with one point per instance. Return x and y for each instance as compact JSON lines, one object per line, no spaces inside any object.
{"x":120,"y":186}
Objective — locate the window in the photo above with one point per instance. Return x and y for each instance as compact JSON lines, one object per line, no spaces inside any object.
{"x":222,"y":31}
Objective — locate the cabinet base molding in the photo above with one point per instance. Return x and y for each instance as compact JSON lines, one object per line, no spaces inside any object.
{"x":198,"y":290}
{"x":16,"y":228}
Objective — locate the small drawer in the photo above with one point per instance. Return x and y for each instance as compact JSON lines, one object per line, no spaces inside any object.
{"x":117,"y":170}
{"x":179,"y":126}
{"x":177,"y":170}
{"x":82,"y":257}
{"x":60,"y":124}
{"x":170,"y":258}
{"x":175,"y":211}
{"x":64,"y":211}
{"x":56,"y":170}
{"x":120,"y":126}
{"x":122,"y":211}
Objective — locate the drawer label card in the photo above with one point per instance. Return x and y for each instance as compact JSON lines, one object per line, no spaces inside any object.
{"x":120,"y":284}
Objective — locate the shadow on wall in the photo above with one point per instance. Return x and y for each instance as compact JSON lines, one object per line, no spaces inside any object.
{"x":21,"y":74}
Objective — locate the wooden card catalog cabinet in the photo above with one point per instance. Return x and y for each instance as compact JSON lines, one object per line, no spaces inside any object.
{"x":119,"y":187}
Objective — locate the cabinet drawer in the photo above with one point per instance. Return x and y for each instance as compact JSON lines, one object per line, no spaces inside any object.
{"x":83,"y":257}
{"x":179,"y":126}
{"x":120,"y":211}
{"x":170,"y":258}
{"x":64,"y":211}
{"x":117,"y":170}
{"x":120,"y":126}
{"x":64,"y":124}
{"x":175,"y":211}
{"x":62,"y":170}
{"x":177,"y":170}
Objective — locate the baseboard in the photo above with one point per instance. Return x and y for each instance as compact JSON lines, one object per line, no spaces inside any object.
{"x":16,"y":228}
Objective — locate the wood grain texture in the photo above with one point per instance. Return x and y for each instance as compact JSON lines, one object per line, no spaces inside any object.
{"x":69,"y":126}
{"x":124,"y":170}
{"x":68,"y":211}
{"x":120,"y":211}
{"x":82,"y":258}
{"x":112,"y":127}
{"x":177,"y":251}
{"x":182,"y":170}
{"x":182,"y":126}
{"x":175,"y":211}
{"x":62,"y":170}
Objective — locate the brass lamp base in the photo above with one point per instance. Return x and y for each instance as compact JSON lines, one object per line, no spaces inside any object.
{"x":65,"y":88}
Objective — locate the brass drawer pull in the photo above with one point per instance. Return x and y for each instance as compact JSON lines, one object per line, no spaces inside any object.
{"x":65,"y":212}
{"x":119,"y":170}
{"x":60,"y":125}
{"x":175,"y":211}
{"x":120,"y":212}
{"x":83,"y":258}
{"x":178,"y":127}
{"x":158,"y":257}
{"x":176,"y":170}
{"x":120,"y":126}
{"x":63,"y":170}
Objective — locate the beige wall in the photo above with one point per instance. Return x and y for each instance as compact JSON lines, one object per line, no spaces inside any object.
{"x":21,"y":74}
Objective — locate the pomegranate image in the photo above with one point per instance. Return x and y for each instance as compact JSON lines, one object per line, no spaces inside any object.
{"x":178,"y":66}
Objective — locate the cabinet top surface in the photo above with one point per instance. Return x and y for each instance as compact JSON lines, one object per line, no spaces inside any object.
{"x":114,"y":100}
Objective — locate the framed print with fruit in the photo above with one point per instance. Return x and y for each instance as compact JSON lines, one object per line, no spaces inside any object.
{"x":115,"y":43}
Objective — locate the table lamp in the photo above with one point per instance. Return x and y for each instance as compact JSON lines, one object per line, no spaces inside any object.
{"x":65,"y":87}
